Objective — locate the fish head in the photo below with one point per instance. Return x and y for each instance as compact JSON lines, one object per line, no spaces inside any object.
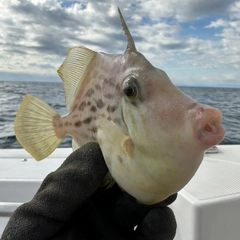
{"x":161,"y":119}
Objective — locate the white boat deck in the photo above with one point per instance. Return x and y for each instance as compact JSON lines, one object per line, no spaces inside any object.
{"x":21,"y":176}
{"x":208,"y":208}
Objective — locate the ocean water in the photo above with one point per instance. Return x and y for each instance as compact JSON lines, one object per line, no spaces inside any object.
{"x":12,"y":93}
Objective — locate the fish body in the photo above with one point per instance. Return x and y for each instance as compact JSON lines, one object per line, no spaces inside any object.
{"x":152,"y":135}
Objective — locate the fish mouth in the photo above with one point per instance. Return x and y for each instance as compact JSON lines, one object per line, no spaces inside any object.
{"x":209,"y":125}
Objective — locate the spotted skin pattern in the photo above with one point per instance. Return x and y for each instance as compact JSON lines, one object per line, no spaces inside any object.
{"x":98,"y":95}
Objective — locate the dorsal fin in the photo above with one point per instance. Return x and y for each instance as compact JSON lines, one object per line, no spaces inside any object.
{"x":131,"y":44}
{"x":72,"y":70}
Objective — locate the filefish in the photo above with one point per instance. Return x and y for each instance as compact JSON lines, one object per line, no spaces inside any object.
{"x":152,"y":135}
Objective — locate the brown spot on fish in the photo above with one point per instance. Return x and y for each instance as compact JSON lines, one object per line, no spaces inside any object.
{"x":100,"y":103}
{"x":109,"y":118}
{"x":100,"y":77}
{"x":109,"y":96}
{"x":68,"y":124}
{"x":89,"y":103}
{"x":93,"y":109}
{"x":94,"y":129}
{"x":87,"y":120}
{"x":110,"y":82}
{"x":82,"y":106}
{"x":111,"y":108}
{"x":89,"y":92}
{"x":84,"y":135}
{"x":98,"y":87}
{"x":75,"y":116}
{"x":78,"y":124}
{"x":118,"y":88}
{"x":120,"y":159}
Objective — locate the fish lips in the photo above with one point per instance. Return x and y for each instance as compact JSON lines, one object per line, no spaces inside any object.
{"x":208,"y":125}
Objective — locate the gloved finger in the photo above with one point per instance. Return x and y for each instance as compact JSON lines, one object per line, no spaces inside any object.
{"x":160,"y":223}
{"x":129,"y":213}
{"x":167,"y":201}
{"x":64,"y":190}
{"x":96,"y":222}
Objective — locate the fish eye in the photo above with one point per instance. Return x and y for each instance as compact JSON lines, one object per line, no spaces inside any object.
{"x":130,"y":88}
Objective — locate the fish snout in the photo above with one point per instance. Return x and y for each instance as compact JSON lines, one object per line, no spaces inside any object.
{"x":208,"y":126}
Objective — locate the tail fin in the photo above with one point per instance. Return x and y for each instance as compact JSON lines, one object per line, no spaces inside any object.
{"x":34,"y":127}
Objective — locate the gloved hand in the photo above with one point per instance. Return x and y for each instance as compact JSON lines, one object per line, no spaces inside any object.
{"x":72,"y":205}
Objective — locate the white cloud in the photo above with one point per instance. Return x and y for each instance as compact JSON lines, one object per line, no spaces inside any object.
{"x":235,"y":9}
{"x":184,"y":10}
{"x":228,"y":37}
{"x":36,"y":34}
{"x":218,"y":23}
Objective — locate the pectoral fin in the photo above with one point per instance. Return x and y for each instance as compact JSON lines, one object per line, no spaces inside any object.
{"x":113,"y":141}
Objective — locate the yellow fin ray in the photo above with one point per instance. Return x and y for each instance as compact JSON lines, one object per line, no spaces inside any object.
{"x":74,"y":145}
{"x":34,"y":128}
{"x":73,"y":69}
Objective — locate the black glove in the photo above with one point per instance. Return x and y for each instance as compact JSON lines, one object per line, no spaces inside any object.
{"x":72,"y":205}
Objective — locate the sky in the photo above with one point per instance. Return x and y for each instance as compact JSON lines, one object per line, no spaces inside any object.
{"x":196,"y":42}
